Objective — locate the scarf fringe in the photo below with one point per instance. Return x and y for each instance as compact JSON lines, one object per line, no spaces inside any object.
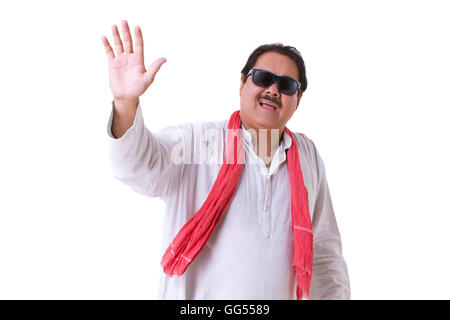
{"x":303,"y":263}
{"x":303,"y":286}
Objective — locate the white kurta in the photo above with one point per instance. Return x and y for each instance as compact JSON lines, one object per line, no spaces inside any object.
{"x":249,"y":254}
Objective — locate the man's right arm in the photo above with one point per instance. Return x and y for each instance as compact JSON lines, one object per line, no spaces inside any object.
{"x":138,"y":158}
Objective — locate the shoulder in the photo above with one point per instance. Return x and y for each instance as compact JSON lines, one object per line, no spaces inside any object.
{"x":304,"y":142}
{"x":309,"y":151}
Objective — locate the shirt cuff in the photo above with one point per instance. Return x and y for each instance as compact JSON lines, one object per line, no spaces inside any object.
{"x":138,"y":120}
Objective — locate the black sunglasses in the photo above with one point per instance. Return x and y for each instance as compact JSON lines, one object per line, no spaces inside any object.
{"x":264,"y":79}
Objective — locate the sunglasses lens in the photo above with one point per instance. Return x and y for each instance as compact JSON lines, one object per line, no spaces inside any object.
{"x":265,"y":79}
{"x":288,"y":86}
{"x":262,"y":78}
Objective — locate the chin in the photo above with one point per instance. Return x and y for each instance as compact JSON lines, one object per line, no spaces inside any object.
{"x":256,"y":118}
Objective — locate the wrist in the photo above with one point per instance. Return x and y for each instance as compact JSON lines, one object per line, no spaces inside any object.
{"x":123,"y":105}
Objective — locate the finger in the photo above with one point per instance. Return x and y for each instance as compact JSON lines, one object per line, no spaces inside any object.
{"x":149,"y":76}
{"x":117,"y":40}
{"x":127,"y":37}
{"x":108,"y":49}
{"x":139,"y":42}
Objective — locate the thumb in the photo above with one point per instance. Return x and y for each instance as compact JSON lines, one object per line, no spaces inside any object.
{"x":149,"y":75}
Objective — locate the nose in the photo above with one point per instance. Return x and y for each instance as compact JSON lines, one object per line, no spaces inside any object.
{"x":273,"y":90}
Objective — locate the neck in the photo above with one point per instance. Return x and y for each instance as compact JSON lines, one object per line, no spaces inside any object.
{"x":265,"y":142}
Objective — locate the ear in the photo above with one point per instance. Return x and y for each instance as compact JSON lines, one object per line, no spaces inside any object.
{"x":242,"y":84}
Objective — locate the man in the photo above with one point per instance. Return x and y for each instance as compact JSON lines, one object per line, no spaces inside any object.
{"x":257,"y":225}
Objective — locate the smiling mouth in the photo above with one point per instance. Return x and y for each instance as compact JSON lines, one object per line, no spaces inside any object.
{"x":268,"y":106}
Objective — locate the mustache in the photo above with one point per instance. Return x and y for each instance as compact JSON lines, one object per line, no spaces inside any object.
{"x":270,"y":98}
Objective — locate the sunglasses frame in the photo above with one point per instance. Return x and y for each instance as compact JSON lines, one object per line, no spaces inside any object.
{"x":275,"y":78}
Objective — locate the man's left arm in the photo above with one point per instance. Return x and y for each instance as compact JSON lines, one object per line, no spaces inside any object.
{"x":330,"y":275}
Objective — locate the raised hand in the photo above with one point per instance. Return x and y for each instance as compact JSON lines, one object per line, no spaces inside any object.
{"x":128,"y":77}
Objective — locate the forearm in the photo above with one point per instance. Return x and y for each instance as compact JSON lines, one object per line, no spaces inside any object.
{"x":124,"y":112}
{"x":142,"y":159}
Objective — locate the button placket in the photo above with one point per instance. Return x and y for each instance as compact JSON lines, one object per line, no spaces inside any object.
{"x":266,"y":217}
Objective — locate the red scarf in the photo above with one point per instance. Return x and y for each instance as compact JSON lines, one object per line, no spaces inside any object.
{"x":193,"y":236}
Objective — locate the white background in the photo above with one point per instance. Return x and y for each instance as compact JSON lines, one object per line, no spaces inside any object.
{"x":377,"y":107}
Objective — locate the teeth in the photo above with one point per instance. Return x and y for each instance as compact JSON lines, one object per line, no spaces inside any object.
{"x":268,"y":104}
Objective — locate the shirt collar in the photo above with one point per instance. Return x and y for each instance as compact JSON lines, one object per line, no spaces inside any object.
{"x":278,"y":158}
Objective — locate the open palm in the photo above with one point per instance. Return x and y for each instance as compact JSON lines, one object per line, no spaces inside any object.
{"x":128,"y":77}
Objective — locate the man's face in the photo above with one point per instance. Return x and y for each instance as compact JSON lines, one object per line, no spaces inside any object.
{"x":254,"y":114}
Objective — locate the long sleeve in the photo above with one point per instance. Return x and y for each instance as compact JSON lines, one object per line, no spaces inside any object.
{"x":330,"y":275}
{"x":142,"y":159}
